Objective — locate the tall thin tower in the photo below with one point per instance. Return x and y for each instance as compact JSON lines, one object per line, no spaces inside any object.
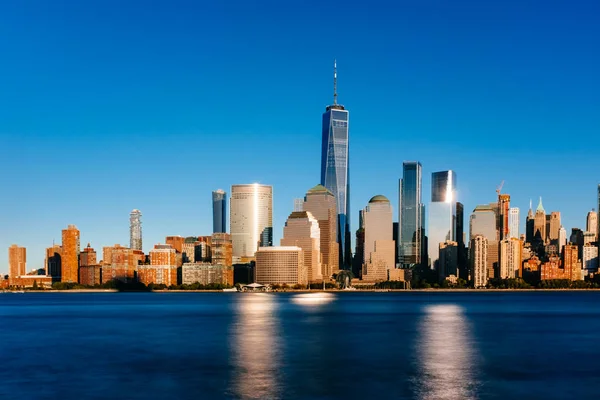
{"x":135,"y":230}
{"x":335,"y":172}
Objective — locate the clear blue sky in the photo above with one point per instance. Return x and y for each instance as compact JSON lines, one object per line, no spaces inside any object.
{"x":106,"y":106}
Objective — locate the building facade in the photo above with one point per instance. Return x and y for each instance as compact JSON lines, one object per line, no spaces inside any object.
{"x":302,"y":230}
{"x":135,"y":230}
{"x":411,"y":212}
{"x":510,"y":258}
{"x":447,"y":265}
{"x":251,"y":219}
{"x":280,"y":265}
{"x":592,"y":224}
{"x":513,"y":223}
{"x":219,"y":198}
{"x":118,"y":263}
{"x":88,"y":257}
{"x":479,"y":262}
{"x":320,"y":202}
{"x":335,"y":170}
{"x":441,"y":226}
{"x":17,"y":263}
{"x":379,"y":245}
{"x":54,"y":262}
{"x":483,"y":222}
{"x":222,"y":249}
{"x":590,"y":258}
{"x":206,"y":274}
{"x":70,"y":254}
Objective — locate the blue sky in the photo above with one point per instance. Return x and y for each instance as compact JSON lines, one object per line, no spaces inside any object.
{"x":107,"y":106}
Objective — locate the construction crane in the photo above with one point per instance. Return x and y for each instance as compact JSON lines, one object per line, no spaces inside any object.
{"x":499,"y":188}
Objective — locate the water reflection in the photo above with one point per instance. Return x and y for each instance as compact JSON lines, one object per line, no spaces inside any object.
{"x":446,"y":355}
{"x":256,"y":348}
{"x":312,"y":301}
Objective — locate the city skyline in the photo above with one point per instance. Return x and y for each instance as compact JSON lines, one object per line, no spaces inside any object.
{"x":447,"y":118}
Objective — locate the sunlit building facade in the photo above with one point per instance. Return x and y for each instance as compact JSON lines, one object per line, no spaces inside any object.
{"x":335,"y":171}
{"x":279,"y":265}
{"x":513,"y":223}
{"x":379,"y":251}
{"x":219,"y":199}
{"x":411,"y":216}
{"x":135,"y":230}
{"x":70,"y":254}
{"x":320,"y":202}
{"x":442,"y":213}
{"x":251,"y":218}
{"x":17,"y":263}
{"x":302,"y":230}
{"x":510,"y":258}
{"x":479,"y":262}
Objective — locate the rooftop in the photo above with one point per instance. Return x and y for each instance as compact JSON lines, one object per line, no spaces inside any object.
{"x":379,"y":199}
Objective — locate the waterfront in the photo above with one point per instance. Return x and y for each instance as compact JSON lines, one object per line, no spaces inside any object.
{"x":423,"y":345}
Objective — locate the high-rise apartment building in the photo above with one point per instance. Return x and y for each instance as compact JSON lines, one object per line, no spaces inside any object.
{"x":590,"y":258}
{"x":118,"y":263}
{"x":87,"y":257}
{"x":503,"y":216}
{"x":219,"y":198}
{"x":513,"y":223}
{"x":511,"y":251}
{"x":17,"y":263}
{"x":335,"y":170}
{"x":176,"y":242}
{"x":592,"y":223}
{"x":302,"y":230}
{"x":70,"y":254}
{"x":479,"y":263}
{"x":135,"y":230}
{"x":379,"y":251}
{"x":251,"y":218}
{"x":222,"y":250}
{"x":529,"y":225}
{"x":280,"y":265}
{"x":483,"y":222}
{"x":320,"y":202}
{"x":411,"y":212}
{"x":442,"y":213}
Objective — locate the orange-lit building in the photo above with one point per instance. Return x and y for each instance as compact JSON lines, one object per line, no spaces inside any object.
{"x":207,"y":273}
{"x":176,"y":242}
{"x":222,"y":249}
{"x":17,"y":263}
{"x":90,"y":275}
{"x":568,"y":268}
{"x":29,"y":281}
{"x":70,"y":254}
{"x":118,"y":262}
{"x":163,"y":268}
{"x":87,"y":257}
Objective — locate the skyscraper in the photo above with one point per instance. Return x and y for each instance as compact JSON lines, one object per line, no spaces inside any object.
{"x":321,"y":203}
{"x":251,"y":218}
{"x":483,"y":222}
{"x":219,"y":198}
{"x":442,"y":213}
{"x":411,"y":216}
{"x":302,"y":230}
{"x":513,"y":223}
{"x":135,"y":230}
{"x":539,"y":223}
{"x":479,"y":261}
{"x":553,"y":227}
{"x":70,"y":254}
{"x":503,"y":215}
{"x":378,"y":246}
{"x":510,"y":258}
{"x":17,"y":263}
{"x":592,"y":223}
{"x":335,"y":173}
{"x":562,"y":239}
{"x":529,"y":225}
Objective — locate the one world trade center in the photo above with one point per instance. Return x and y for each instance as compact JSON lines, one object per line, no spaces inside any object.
{"x":335,"y":174}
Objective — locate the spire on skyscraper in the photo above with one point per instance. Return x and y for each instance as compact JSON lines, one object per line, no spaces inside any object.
{"x":540,"y":207}
{"x":334,"y":82}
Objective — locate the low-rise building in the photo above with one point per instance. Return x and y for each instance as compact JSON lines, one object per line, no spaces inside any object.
{"x":206,"y":273}
{"x":90,"y":275}
{"x":158,"y":274}
{"x":281,"y":264}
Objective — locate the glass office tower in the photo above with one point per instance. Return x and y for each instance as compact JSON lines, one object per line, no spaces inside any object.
{"x":411,"y":213}
{"x":335,"y":174}
{"x":219,"y":198}
{"x":442,"y":213}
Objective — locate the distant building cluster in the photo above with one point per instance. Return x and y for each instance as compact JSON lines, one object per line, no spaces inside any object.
{"x":424,"y":241}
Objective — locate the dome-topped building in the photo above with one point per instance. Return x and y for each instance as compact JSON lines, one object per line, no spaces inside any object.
{"x":379,"y":199}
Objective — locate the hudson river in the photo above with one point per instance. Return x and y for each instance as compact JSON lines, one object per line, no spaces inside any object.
{"x":514,"y":345}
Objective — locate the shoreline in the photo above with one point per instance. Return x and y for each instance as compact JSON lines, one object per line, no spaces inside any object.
{"x":315,"y":291}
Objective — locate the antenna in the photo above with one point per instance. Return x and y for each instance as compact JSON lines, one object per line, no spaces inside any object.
{"x":334,"y":82}
{"x":530,"y":204}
